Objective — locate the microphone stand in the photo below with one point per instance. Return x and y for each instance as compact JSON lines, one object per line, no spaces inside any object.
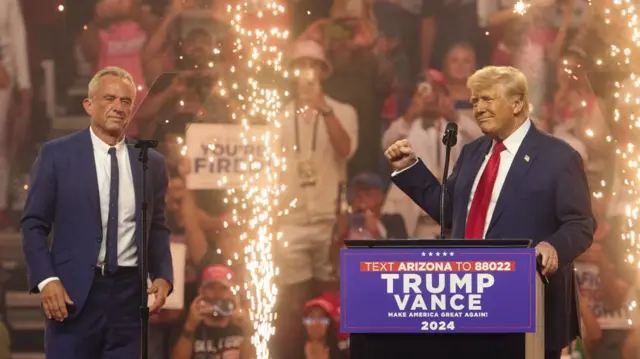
{"x":449,"y":139}
{"x":144,"y":146}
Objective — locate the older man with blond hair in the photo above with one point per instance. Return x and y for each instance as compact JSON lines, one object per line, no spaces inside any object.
{"x":514,"y":182}
{"x":88,"y":186}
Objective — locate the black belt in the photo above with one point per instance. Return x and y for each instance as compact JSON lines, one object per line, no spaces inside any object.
{"x":100,"y":271}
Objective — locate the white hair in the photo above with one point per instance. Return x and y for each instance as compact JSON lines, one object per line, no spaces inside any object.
{"x":109,"y":71}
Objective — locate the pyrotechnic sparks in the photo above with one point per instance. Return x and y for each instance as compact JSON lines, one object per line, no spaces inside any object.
{"x":257,"y":46}
{"x":627,"y":97}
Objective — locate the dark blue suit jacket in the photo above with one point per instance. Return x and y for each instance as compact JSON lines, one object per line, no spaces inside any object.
{"x":546,"y":198}
{"x":63,"y":197}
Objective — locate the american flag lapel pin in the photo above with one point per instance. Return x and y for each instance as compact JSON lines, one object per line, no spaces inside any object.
{"x":526,"y":158}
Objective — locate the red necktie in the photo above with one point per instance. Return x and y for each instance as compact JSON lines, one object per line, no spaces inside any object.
{"x":482,"y":197}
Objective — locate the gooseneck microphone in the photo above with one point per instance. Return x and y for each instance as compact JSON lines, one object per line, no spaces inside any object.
{"x":449,"y":139}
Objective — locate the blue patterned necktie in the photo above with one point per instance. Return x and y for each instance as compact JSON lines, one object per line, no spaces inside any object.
{"x":111,"y":259}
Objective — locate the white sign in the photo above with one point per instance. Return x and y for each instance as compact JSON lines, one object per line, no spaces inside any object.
{"x":226,"y":156}
{"x":175,"y":300}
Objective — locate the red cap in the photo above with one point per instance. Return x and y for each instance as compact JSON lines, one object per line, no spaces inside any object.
{"x":218,"y":273}
{"x":327,"y":303}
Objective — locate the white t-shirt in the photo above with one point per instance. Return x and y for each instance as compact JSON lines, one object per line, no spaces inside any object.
{"x":588,"y":275}
{"x":308,"y":147}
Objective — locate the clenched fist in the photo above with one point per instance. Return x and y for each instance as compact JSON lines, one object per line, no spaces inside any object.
{"x":400,"y":155}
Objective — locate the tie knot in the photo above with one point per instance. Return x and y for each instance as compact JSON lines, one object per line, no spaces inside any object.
{"x":499,"y":147}
{"x":112,"y":151}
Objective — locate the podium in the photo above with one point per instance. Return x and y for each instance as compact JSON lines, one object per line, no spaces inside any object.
{"x":442,"y":299}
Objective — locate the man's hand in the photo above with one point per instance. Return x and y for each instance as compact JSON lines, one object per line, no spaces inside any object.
{"x":549,"y":258}
{"x":55,"y":300}
{"x":447,"y":108}
{"x":371,"y":224}
{"x":160,"y":289}
{"x":317,"y":100}
{"x":417,"y":107}
{"x":197,"y":311}
{"x":400,"y":155}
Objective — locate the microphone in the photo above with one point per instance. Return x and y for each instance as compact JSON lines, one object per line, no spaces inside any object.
{"x":449,"y":139}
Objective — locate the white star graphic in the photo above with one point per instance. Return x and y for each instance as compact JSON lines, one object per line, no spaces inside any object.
{"x":451,"y":254}
{"x":423,"y":254}
{"x":430,"y":254}
{"x":444,"y":254}
{"x":438,"y":254}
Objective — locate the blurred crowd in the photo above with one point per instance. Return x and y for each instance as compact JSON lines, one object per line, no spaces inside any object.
{"x":367,"y":73}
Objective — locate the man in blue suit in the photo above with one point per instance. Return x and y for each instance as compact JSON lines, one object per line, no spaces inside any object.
{"x":86,"y":187}
{"x":515,"y":182}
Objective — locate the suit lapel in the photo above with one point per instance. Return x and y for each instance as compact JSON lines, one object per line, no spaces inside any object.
{"x":89,"y":174}
{"x":136,"y":173}
{"x":522,"y":162}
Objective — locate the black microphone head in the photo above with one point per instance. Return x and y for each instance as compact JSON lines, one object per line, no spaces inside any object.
{"x":450,"y":137}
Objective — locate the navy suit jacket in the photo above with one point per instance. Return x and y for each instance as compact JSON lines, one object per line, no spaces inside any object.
{"x":63,"y":197}
{"x":544,"y":198}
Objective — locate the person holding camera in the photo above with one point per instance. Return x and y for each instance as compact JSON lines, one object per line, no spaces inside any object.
{"x":423,"y":125}
{"x":215,"y":327}
{"x":319,"y":135}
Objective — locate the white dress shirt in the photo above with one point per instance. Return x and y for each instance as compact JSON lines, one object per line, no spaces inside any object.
{"x":127,"y":250}
{"x":512,"y":144}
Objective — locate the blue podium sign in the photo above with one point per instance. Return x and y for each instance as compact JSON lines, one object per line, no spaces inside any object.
{"x":457,"y":290}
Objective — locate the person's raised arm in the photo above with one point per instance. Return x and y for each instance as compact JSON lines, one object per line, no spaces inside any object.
{"x":416,"y":181}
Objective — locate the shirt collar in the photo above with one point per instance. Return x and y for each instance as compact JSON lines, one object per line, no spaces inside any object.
{"x":101,"y":146}
{"x":513,"y":142}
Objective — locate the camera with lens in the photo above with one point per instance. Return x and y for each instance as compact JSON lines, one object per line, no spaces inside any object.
{"x":221,"y":308}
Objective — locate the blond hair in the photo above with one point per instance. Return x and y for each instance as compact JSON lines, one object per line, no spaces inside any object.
{"x":512,"y":80}
{"x":109,"y":71}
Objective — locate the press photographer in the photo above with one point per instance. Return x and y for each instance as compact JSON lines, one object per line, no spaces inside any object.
{"x":319,"y":136}
{"x":215,"y":327}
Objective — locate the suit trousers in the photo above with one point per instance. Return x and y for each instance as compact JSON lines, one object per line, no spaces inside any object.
{"x":108,"y":326}
{"x":552,"y":355}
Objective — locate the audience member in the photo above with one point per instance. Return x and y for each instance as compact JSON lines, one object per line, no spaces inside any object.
{"x":14,"y":62}
{"x":318,"y":136}
{"x":361,"y":77}
{"x":214,"y":327}
{"x":459,"y":64}
{"x":321,"y":329}
{"x":423,"y":125}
